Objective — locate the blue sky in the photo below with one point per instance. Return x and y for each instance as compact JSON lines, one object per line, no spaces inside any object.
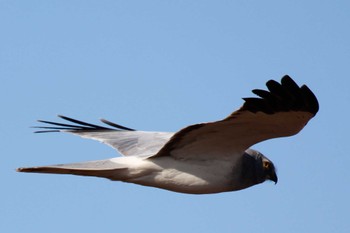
{"x":160,"y":66}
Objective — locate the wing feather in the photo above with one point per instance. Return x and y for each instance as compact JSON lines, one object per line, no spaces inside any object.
{"x":282,"y":111}
{"x":127,"y":141}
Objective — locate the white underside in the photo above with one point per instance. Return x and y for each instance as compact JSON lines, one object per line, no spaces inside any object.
{"x":185,"y":176}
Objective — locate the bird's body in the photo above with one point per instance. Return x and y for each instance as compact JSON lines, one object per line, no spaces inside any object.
{"x":199,"y":159}
{"x":184,"y":176}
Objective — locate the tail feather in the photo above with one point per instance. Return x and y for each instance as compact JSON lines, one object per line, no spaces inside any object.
{"x":100,"y":168}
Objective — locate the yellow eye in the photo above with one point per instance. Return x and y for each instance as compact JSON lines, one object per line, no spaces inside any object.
{"x":266,"y":165}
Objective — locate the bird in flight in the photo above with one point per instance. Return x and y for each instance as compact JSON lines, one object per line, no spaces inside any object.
{"x":202,"y":158}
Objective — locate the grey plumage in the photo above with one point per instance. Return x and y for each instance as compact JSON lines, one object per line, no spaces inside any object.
{"x":203,"y":158}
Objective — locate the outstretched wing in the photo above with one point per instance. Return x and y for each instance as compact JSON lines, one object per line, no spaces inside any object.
{"x":282,"y":111}
{"x":126,"y":140}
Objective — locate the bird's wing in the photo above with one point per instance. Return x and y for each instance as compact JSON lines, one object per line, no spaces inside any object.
{"x":127,"y":141}
{"x":281,"y":111}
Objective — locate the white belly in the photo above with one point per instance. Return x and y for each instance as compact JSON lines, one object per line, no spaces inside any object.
{"x":185,"y":176}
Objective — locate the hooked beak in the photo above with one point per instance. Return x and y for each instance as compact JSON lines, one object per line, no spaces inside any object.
{"x":273,"y":177}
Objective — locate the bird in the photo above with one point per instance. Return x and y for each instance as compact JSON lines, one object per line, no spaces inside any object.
{"x":203,"y":158}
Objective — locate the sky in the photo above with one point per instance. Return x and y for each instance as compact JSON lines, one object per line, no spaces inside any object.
{"x":160,"y":66}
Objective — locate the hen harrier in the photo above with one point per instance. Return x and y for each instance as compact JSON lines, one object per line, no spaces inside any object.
{"x":202,"y":158}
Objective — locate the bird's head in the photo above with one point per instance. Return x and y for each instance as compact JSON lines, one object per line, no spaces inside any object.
{"x":269,"y":170}
{"x":265,"y":169}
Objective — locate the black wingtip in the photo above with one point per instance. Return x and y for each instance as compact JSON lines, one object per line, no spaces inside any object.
{"x":311,"y":100}
{"x":76,"y":125}
{"x":281,"y":97}
{"x":81,"y":123}
{"x":116,"y":125}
